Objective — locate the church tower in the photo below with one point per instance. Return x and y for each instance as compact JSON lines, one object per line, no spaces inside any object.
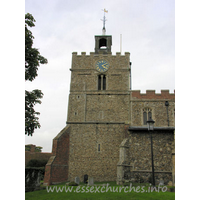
{"x":98,"y":110}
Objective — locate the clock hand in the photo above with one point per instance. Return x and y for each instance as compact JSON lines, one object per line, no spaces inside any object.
{"x":104,"y":66}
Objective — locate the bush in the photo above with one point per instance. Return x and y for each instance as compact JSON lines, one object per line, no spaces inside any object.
{"x":33,"y":175}
{"x":73,"y":184}
{"x":36,"y":163}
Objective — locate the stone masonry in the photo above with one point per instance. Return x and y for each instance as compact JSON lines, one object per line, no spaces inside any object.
{"x":101,"y":121}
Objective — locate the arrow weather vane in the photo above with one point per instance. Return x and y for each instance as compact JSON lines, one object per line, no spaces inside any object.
{"x":104,"y":21}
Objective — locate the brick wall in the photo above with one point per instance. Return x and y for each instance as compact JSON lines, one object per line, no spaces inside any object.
{"x":56,"y":169}
{"x":150,"y":94}
{"x":29,"y":155}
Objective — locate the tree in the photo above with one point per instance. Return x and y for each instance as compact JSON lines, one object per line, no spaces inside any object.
{"x":33,"y":59}
{"x":31,"y":119}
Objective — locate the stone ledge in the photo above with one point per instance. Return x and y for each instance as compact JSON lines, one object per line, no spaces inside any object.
{"x":143,"y":128}
{"x":93,"y":69}
{"x":95,"y":122}
{"x":98,"y":92}
{"x":152,"y":100}
{"x":149,"y":171}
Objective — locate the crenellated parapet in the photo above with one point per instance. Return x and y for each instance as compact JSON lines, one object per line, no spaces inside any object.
{"x":87,"y":62}
{"x":100,"y":54}
{"x":150,"y":94}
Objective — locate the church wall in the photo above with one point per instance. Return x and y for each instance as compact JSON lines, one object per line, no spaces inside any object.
{"x":156,"y":103}
{"x":84,"y":155}
{"x":140,"y":150}
{"x":98,"y":108}
{"x":140,"y":154}
{"x":107,"y":108}
{"x":76,"y":109}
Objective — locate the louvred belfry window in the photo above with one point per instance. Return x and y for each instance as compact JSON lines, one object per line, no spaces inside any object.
{"x":101,"y":82}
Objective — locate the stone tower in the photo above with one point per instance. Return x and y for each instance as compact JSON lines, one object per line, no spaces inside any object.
{"x":98,"y":110}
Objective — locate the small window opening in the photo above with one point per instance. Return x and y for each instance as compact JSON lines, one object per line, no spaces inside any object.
{"x":101,"y":82}
{"x":98,"y":147}
{"x":104,"y":82}
{"x":147,"y":115}
{"x":145,"y":118}
{"x":103,"y":43}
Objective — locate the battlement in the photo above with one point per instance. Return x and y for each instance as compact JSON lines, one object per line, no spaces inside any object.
{"x":83,"y":54}
{"x":150,"y":94}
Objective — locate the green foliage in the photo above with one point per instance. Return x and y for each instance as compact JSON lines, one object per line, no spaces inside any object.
{"x":31,"y":119}
{"x":33,"y":59}
{"x":32,"y":56}
{"x":36,"y":163}
{"x":38,"y":149}
{"x":33,"y":175}
{"x":27,"y":147}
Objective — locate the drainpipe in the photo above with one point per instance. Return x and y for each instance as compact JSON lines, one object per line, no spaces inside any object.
{"x":167,"y":105}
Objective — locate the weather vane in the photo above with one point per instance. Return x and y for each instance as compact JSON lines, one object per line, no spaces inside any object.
{"x":104,"y":21}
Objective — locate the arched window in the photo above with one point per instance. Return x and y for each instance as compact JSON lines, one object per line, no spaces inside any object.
{"x":147,"y":114}
{"x":144,"y":117}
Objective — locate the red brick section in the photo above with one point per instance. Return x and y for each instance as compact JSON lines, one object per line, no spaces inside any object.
{"x":56,"y":169}
{"x":150,"y":94}
{"x":36,"y":155}
{"x":29,"y":155}
{"x":32,"y":148}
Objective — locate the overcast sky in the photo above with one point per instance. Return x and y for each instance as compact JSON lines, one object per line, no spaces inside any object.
{"x":65,"y":26}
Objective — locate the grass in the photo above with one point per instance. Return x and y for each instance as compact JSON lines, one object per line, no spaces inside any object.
{"x":78,"y":194}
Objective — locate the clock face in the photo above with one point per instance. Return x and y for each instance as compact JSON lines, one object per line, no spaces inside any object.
{"x":102,"y":65}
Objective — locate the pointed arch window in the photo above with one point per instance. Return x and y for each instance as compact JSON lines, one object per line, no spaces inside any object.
{"x":147,"y":114}
{"x":144,"y":117}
